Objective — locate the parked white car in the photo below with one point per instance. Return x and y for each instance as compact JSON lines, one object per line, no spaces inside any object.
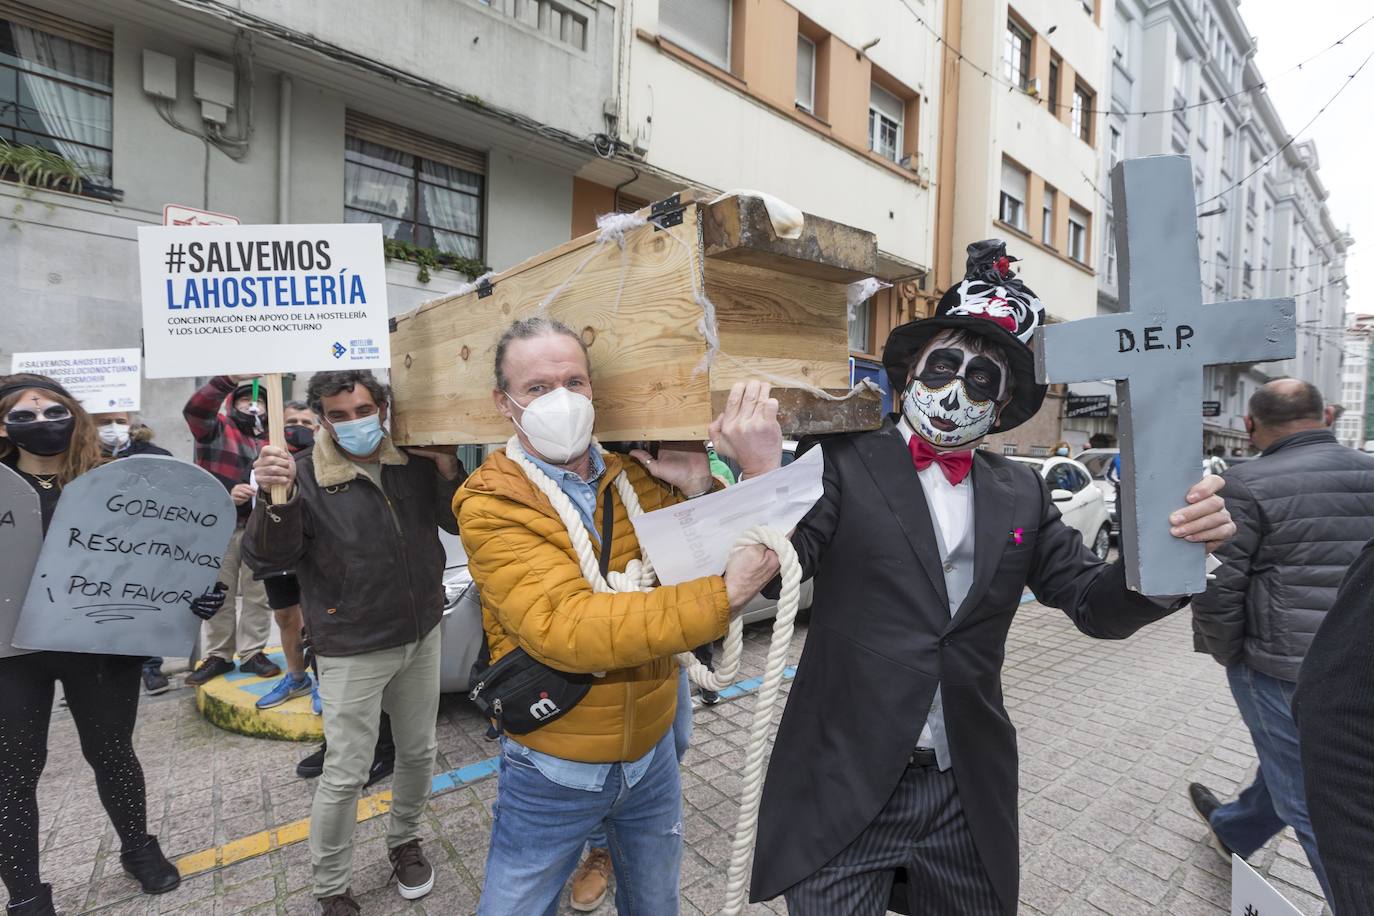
{"x":1079,"y":501}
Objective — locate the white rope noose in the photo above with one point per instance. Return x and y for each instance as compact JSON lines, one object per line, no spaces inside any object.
{"x":639,"y":576}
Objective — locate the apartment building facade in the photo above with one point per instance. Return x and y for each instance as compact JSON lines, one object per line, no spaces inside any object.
{"x":1020,"y":141}
{"x":1353,"y":429}
{"x":1264,"y":228}
{"x":826,"y":105}
{"x":401,"y":113}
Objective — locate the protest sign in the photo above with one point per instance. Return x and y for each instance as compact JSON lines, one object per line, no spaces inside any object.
{"x":21,"y":537}
{"x":102,"y":380}
{"x":131,"y":545}
{"x":1251,"y":895}
{"x":233,"y":300}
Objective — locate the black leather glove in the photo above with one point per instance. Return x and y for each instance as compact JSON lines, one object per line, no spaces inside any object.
{"x":208,"y":604}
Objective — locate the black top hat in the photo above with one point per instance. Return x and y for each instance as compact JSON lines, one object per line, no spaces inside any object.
{"x":992,"y":302}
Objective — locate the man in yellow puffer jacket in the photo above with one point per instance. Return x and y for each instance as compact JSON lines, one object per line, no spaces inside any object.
{"x":610,"y":759}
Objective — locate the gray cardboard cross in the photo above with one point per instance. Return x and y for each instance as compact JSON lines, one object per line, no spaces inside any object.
{"x":1156,"y":349}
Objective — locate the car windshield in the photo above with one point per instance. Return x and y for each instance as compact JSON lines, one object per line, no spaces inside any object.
{"x":1097,"y":464}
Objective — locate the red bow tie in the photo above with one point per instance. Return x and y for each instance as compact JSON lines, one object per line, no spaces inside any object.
{"x":955,"y":465}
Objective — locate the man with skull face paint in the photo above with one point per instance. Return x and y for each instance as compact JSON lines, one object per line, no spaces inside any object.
{"x":893,"y":779}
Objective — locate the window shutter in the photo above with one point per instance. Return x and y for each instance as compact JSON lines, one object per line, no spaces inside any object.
{"x":366,"y":127}
{"x":53,"y":24}
{"x":700,"y":26}
{"x":806,"y":73}
{"x":1014,"y":181}
{"x":885,"y":103}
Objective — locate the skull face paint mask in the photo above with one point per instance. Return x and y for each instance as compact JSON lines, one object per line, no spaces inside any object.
{"x":952,"y":400}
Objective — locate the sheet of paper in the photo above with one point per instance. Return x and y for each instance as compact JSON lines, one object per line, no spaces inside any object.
{"x":1251,"y":895}
{"x":693,"y":539}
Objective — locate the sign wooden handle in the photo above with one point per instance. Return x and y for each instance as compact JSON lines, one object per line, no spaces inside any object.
{"x":276,"y":433}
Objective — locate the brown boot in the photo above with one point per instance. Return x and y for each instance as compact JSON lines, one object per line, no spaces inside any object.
{"x":591,"y":881}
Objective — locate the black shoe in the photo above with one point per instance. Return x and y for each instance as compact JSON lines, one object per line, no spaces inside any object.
{"x":208,"y":670}
{"x":1205,"y":803}
{"x":311,"y":766}
{"x":40,"y":905}
{"x":150,"y":868}
{"x":260,"y":665}
{"x":155,"y":682}
{"x":382,"y":767}
{"x":709,"y":697}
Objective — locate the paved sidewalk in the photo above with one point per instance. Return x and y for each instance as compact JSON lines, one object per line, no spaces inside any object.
{"x":1110,"y":735}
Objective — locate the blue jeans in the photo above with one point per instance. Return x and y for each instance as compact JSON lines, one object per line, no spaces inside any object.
{"x":682,"y":739}
{"x":1276,"y":797}
{"x":539,"y":828}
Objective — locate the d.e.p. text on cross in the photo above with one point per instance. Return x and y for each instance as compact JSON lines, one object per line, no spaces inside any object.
{"x":1156,"y":348}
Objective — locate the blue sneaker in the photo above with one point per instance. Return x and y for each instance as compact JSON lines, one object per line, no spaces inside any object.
{"x":287,"y":688}
{"x":315,"y":705}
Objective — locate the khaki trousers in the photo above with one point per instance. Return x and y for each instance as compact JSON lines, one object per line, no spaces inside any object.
{"x":245,"y":632}
{"x":354,"y":689}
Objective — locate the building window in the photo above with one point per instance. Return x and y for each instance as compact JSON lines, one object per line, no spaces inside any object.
{"x":422,"y":190}
{"x":1109,"y":258}
{"x":1113,"y":146}
{"x":1081,"y":120}
{"x":700,"y":26}
{"x":1078,"y":234}
{"x":885,"y":114}
{"x":859,"y":326}
{"x":56,"y":93}
{"x":1055,"y":66}
{"x":806,"y":74}
{"x":1047,"y":217}
{"x":1016,"y":61}
{"x":1203,"y":122}
{"x":1012,"y":209}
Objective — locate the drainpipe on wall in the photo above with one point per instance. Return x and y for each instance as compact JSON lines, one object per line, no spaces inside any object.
{"x":284,"y":150}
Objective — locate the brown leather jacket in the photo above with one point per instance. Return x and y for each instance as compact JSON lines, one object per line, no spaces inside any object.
{"x":369,"y":560}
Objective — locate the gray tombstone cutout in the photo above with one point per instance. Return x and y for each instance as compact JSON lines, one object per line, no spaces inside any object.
{"x":129,"y":547}
{"x":1156,"y":348}
{"x":21,"y":537}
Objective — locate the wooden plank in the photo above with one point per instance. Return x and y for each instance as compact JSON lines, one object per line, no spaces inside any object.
{"x":639,"y":312}
{"x":738,"y":229}
{"x":643,"y":351}
{"x":802,"y":413}
{"x":778,"y":327}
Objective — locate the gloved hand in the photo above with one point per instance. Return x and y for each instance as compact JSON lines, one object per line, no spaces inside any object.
{"x":208,"y":604}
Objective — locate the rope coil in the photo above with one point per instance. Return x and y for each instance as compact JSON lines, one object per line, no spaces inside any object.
{"x":639,"y":575}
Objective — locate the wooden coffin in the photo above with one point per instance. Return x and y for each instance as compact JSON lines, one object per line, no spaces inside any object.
{"x":780,"y":311}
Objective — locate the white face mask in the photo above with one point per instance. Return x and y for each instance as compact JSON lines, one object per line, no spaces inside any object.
{"x":558,"y":424}
{"x":952,"y":401}
{"x":114,"y":435}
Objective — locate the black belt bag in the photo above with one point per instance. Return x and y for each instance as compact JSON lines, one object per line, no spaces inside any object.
{"x":520,"y":694}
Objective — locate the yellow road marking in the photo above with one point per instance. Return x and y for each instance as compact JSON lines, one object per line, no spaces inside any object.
{"x":267,"y":840}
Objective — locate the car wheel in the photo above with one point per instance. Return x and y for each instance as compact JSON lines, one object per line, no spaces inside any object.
{"x":1102,"y":544}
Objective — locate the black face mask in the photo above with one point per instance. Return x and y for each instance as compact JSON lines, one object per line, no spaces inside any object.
{"x":299,"y":437}
{"x":250,"y":424}
{"x":42,"y":437}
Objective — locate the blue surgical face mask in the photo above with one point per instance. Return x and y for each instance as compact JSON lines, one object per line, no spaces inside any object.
{"x":1062,"y":452}
{"x":359,"y":437}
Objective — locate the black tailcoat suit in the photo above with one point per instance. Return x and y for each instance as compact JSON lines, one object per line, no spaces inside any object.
{"x":881,"y":638}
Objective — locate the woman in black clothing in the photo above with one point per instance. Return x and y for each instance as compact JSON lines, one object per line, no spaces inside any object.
{"x":49,"y":440}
